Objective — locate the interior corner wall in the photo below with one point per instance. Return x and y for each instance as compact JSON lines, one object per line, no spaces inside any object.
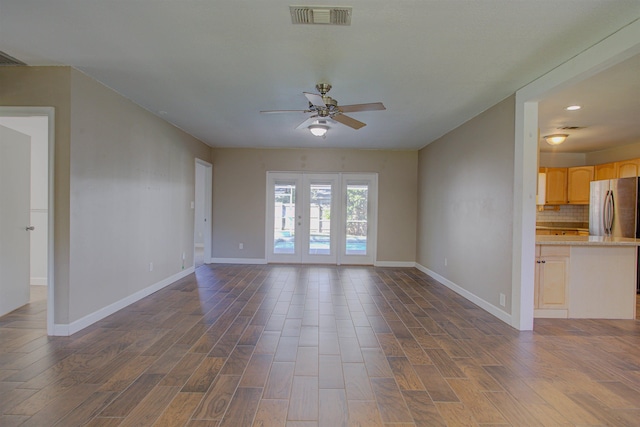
{"x":132,"y":185}
{"x":49,"y":87}
{"x":465,"y":210}
{"x":123,"y":185}
{"x":239,"y":195}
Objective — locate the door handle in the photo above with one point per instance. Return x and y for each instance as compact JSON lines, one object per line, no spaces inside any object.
{"x":30,"y":228}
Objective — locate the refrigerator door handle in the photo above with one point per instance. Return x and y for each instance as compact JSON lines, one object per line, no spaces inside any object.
{"x":605,"y":212}
{"x":609,"y":212}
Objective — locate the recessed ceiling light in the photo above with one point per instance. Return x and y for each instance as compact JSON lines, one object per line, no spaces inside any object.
{"x":573,"y":107}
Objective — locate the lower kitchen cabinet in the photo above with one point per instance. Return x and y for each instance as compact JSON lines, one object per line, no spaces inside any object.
{"x":586,"y":280}
{"x":551,"y":281}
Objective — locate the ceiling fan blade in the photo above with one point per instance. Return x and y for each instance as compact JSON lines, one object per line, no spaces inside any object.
{"x":315,"y":99}
{"x":349,"y":121}
{"x":311,"y":120}
{"x":284,"y":111}
{"x":354,"y":108}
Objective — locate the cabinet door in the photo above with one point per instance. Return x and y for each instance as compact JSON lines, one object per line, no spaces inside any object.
{"x":536,"y":279}
{"x":578,"y":184}
{"x":552,"y":279}
{"x":606,"y":171}
{"x":556,"y":186}
{"x":628,"y":168}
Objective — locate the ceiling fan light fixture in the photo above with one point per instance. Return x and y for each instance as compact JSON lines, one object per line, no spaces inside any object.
{"x":318,"y":130}
{"x":556,"y":138}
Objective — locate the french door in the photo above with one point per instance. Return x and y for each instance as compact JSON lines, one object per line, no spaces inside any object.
{"x":326,"y":218}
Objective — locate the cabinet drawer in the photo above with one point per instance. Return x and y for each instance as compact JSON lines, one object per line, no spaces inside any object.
{"x":552,"y":250}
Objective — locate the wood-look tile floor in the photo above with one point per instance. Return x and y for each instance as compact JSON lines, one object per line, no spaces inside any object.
{"x":316,"y":346}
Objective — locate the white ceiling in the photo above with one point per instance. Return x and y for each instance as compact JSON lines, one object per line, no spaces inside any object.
{"x":210,"y":66}
{"x":610,"y":113}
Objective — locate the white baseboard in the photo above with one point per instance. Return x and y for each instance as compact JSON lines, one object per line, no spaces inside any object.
{"x":73,"y":327}
{"x":237,"y":261}
{"x":394,"y":264}
{"x":38,"y":281}
{"x":542,"y":313}
{"x":488,"y":307}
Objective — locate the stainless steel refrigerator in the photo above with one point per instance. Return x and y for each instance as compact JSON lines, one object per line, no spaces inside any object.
{"x":613,"y":208}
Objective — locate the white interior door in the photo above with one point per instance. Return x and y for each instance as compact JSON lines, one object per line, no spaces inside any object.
{"x":15,"y":194}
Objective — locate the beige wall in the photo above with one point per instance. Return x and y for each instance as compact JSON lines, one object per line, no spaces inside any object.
{"x":465,"y":212}
{"x":624,"y":152}
{"x":614,"y":154}
{"x":124,"y":181}
{"x":132,"y":184}
{"x":239,"y":195}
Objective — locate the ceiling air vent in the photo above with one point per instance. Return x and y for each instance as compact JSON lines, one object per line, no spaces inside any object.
{"x":571,"y":127}
{"x":326,"y":15}
{"x":9,"y":60}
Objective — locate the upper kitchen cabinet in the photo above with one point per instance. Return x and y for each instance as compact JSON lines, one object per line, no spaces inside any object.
{"x":606,"y":171}
{"x":628,"y":168}
{"x":579,"y":184}
{"x":556,"y":186}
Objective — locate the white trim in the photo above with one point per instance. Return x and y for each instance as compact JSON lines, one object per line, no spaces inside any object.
{"x":237,"y":261}
{"x":394,"y":264}
{"x":208,"y":186}
{"x":90,"y":319}
{"x":488,"y":307}
{"x":546,"y":313}
{"x":9,"y":111}
{"x":38,"y":281}
{"x":614,"y":49}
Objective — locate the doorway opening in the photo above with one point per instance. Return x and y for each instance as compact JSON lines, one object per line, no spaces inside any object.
{"x":38,"y":124}
{"x":202,"y":213}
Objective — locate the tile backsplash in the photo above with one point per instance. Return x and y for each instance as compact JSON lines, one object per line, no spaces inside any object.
{"x":567,"y":213}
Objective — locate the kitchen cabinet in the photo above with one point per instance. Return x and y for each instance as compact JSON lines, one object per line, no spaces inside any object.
{"x":606,"y":171}
{"x":628,"y":168}
{"x":551,"y":281}
{"x":556,"y":186}
{"x":578,"y":184}
{"x":581,"y":278}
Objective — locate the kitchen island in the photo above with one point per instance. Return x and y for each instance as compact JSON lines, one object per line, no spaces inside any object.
{"x":586,"y":277}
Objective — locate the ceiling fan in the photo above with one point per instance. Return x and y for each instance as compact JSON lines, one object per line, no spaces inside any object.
{"x":324,"y":107}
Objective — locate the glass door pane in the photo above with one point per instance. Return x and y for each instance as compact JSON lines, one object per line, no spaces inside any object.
{"x":357,"y":215}
{"x":284,"y":226}
{"x":320,"y":219}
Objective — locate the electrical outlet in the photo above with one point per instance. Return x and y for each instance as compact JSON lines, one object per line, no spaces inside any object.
{"x":503,"y":299}
{"x":184,"y":255}
{"x":445,"y":262}
{"x":150,"y":266}
{"x":241,"y":246}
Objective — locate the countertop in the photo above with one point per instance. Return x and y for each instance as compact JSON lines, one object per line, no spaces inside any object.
{"x":586,"y":241}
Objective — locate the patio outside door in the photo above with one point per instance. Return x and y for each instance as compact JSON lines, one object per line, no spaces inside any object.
{"x":322,"y":218}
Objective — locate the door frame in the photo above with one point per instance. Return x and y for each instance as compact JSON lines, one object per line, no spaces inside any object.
{"x":371,"y":179}
{"x":49,"y":112}
{"x":307,"y":180}
{"x":208,"y":185}
{"x":339,"y":211}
